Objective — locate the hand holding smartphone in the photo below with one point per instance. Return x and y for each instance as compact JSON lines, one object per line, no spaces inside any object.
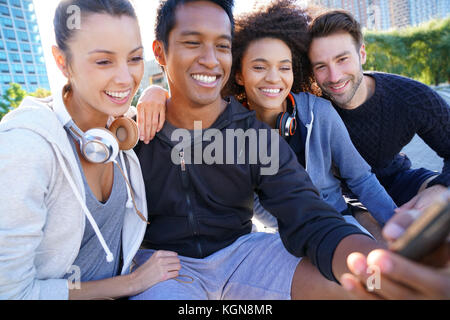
{"x":427,"y":232}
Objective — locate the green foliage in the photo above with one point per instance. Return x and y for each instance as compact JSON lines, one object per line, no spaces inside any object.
{"x":12,"y":98}
{"x":14,"y":95}
{"x":419,"y":52}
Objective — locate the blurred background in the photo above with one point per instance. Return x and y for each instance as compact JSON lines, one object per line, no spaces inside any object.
{"x":406,"y":37}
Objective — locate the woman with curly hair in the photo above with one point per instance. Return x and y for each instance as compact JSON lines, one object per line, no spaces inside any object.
{"x":271,"y":76}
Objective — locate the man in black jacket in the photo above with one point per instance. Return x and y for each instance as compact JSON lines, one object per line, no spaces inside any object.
{"x":200,"y":183}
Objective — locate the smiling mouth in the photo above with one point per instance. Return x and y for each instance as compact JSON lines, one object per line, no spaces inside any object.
{"x":205,"y":80}
{"x":119,"y":95}
{"x":339,"y":87}
{"x":271,"y":92}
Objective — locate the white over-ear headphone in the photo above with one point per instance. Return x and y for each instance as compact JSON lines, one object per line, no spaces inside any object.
{"x":100,"y":145}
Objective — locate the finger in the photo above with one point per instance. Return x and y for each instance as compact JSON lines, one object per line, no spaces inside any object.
{"x":173,"y":267}
{"x":408,"y":273}
{"x":162,"y":119}
{"x":397,"y":225}
{"x":170,"y":275}
{"x":148,"y":126}
{"x":356,"y":262}
{"x":140,"y":119}
{"x":355,"y":288}
{"x":165,"y":253}
{"x":408,"y":205}
{"x":165,"y":261}
{"x":155,"y":119}
{"x":392,"y":290}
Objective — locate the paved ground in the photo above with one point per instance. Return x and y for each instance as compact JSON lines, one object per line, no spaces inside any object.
{"x":419,"y":153}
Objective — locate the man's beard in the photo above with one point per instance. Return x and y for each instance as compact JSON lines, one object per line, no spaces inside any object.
{"x":349,"y":95}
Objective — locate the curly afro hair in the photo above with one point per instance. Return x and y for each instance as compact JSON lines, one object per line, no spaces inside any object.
{"x":283,"y":20}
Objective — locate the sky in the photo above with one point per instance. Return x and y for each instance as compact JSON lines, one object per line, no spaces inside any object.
{"x":146,"y":10}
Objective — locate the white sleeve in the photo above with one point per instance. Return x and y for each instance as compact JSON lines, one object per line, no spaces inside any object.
{"x":26,"y":168}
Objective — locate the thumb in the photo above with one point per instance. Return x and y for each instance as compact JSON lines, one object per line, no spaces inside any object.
{"x":408,"y":205}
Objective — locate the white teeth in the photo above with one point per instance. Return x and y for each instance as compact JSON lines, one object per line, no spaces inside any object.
{"x":204,"y":78}
{"x":343,"y":85}
{"x":119,"y":95}
{"x":273,"y":91}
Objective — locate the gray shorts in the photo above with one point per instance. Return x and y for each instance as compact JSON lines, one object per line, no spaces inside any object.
{"x":255,"y":267}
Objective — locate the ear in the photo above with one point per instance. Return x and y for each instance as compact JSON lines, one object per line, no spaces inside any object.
{"x":159,"y":52}
{"x":61,"y":61}
{"x":239,"y":79}
{"x":363,"y":54}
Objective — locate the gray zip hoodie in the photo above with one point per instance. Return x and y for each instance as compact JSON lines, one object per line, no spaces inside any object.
{"x":43,"y":210}
{"x":328,"y":147}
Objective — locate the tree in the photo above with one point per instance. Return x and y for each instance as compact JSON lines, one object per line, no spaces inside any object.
{"x":419,"y":52}
{"x":41,"y":93}
{"x":14,"y":95}
{"x":12,"y":98}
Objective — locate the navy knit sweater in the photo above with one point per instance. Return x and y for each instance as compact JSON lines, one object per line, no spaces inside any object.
{"x":383,"y":125}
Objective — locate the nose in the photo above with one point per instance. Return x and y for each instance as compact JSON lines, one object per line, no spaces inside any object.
{"x":123,"y":74}
{"x":273,"y":75}
{"x":334,"y":75}
{"x":209,"y":57}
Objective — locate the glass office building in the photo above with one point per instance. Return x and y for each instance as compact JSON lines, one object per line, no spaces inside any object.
{"x":387,"y":14}
{"x":21,"y":57}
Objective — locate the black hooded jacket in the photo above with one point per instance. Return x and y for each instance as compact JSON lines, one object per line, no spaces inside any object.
{"x":196,"y":208}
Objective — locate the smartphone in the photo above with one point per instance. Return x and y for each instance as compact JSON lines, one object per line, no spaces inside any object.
{"x":425,"y":234}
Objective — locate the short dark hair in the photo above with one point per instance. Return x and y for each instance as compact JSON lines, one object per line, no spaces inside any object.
{"x":283,"y":20}
{"x":335,"y":21}
{"x":63,"y":33}
{"x":165,"y":19}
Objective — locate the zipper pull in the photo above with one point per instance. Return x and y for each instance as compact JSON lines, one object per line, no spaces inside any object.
{"x":182,"y":161}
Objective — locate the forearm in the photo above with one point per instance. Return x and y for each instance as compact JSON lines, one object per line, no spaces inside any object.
{"x":111,"y":288}
{"x":352,"y":243}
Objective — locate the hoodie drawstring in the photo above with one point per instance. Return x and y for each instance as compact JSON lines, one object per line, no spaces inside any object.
{"x":109,"y":254}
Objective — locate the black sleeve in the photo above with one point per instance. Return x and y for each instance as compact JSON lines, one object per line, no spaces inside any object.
{"x":308,"y":226}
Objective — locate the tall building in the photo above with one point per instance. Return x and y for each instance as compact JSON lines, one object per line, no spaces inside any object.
{"x":21,"y":56}
{"x":386,"y":14}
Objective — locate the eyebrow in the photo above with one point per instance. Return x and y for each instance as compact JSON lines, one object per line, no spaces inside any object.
{"x":264,"y":60}
{"x":334,"y":58}
{"x":196,"y":33}
{"x":112,"y":52}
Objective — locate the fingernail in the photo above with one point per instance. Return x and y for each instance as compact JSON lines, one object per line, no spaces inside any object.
{"x":382,"y":260}
{"x":393,"y":230}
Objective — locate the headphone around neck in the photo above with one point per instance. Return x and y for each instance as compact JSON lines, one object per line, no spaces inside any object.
{"x":101,"y":145}
{"x":287,"y":122}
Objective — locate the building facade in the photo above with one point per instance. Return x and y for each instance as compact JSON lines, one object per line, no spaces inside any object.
{"x":21,"y":56}
{"x":387,"y":14}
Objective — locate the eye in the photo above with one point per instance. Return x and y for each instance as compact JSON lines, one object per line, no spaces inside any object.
{"x":286,"y":68}
{"x":319,"y":68}
{"x":137,"y":59}
{"x":224,"y":46}
{"x":191,"y":43}
{"x":103,"y":62}
{"x":259,"y":68}
{"x":343,"y":59}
